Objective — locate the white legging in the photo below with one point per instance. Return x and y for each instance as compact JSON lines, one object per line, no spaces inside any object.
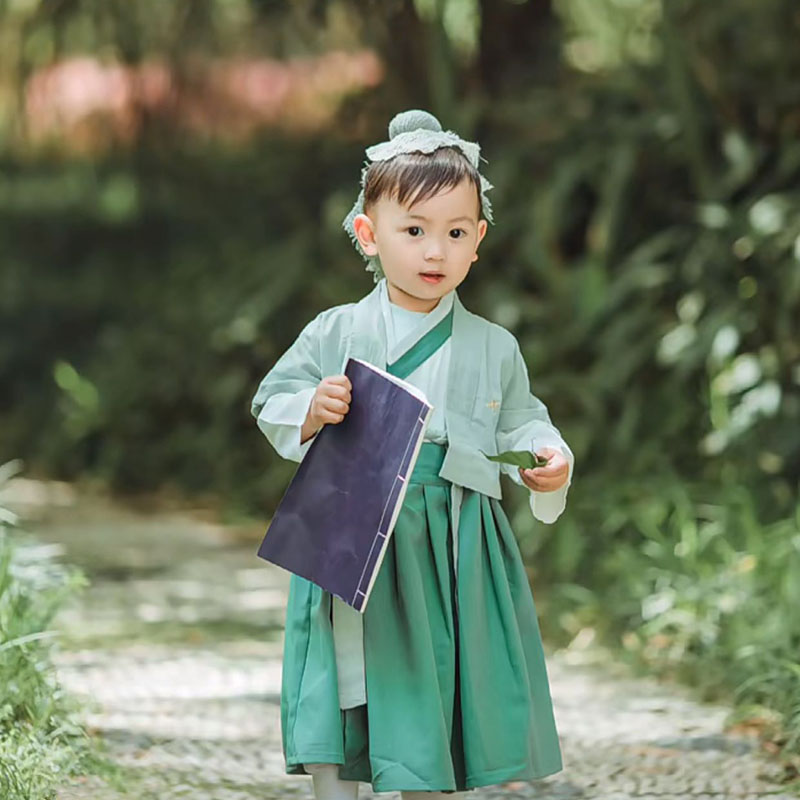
{"x":328,"y":786}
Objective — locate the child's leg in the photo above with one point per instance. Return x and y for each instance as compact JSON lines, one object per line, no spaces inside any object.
{"x":328,"y":785}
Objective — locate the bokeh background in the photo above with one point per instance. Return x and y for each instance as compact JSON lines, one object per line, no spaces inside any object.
{"x":173,"y":178}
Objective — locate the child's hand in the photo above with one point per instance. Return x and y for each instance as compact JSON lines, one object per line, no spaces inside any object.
{"x":331,"y":401}
{"x":550,"y":477}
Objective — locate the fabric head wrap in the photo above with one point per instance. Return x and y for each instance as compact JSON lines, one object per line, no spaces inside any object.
{"x":413,"y":131}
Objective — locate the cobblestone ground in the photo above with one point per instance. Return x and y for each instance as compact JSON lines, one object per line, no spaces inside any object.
{"x":177,"y":649}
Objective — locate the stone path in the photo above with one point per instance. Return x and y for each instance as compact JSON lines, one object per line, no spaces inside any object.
{"x":177,"y":648}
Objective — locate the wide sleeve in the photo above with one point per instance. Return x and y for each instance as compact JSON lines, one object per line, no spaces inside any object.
{"x":524,"y":424}
{"x":284,"y":395}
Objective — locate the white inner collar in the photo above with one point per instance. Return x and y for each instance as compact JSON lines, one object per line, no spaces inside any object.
{"x":395,"y":349}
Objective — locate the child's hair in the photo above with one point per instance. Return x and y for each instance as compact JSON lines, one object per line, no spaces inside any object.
{"x":412,"y":177}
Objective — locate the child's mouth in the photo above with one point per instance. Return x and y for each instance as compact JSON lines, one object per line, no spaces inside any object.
{"x":432,"y":277}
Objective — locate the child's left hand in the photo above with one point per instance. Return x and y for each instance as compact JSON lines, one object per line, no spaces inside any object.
{"x":551,"y":476}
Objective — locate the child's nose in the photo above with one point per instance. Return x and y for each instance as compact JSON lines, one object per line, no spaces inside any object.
{"x":434,"y":252}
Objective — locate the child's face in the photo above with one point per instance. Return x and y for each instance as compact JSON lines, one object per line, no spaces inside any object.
{"x":437,"y":235}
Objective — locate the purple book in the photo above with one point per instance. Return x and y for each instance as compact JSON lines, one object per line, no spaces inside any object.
{"x":335,"y":518}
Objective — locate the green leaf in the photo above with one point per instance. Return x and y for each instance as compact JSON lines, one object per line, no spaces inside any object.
{"x":518,"y":458}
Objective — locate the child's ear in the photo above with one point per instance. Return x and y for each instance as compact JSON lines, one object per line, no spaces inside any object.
{"x":364,"y":229}
{"x":482,"y":227}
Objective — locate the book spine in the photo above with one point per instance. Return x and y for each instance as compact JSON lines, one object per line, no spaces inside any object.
{"x":391,"y":511}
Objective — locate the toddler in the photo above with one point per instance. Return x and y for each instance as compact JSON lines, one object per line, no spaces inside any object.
{"x":440,"y":685}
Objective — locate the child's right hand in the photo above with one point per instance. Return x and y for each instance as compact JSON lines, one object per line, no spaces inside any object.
{"x":331,"y":401}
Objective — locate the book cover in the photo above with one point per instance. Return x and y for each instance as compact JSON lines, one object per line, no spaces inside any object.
{"x":335,"y":518}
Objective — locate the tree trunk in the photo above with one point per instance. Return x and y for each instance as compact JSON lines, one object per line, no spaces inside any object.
{"x":518,"y":45}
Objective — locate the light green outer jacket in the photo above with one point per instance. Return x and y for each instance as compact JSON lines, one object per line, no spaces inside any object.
{"x":489,"y":404}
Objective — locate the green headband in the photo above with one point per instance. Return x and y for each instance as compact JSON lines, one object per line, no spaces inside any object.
{"x":413,"y":131}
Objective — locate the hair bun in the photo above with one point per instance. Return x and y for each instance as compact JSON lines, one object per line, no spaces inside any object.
{"x":413,"y":120}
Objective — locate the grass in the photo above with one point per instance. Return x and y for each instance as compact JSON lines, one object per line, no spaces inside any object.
{"x":42,"y":740}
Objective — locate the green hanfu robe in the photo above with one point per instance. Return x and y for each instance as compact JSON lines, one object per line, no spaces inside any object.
{"x":441,"y":684}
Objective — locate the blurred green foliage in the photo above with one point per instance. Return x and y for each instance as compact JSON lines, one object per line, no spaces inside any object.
{"x":646,"y":254}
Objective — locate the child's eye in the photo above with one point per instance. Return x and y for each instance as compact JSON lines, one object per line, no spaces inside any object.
{"x":413,"y":230}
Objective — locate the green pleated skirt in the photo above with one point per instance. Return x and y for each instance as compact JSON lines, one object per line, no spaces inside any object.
{"x":456,"y":683}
